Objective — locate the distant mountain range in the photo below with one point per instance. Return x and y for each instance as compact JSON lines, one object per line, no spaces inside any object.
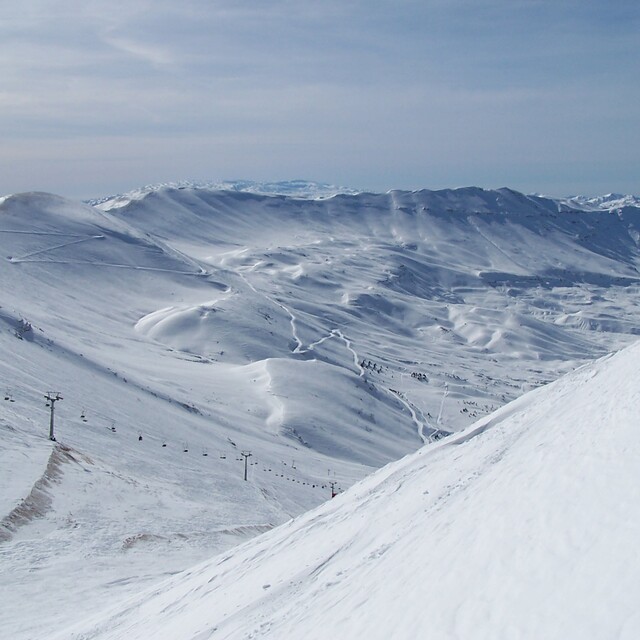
{"x":309,"y":189}
{"x":295,"y":188}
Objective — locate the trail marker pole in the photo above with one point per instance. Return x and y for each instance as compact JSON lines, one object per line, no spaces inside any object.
{"x":246,"y":455}
{"x":52,"y":397}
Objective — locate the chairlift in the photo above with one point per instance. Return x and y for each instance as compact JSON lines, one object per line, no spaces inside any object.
{"x":185,"y":447}
{"x":223,"y":457}
{"x":204,"y":453}
{"x":164,"y":444}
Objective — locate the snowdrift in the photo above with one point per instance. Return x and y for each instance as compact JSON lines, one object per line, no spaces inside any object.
{"x":524,"y":526}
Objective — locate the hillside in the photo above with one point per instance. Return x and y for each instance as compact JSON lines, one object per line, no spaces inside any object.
{"x":525,"y":525}
{"x":326,"y":337}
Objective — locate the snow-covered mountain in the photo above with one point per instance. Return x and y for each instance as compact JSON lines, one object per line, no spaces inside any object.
{"x":524,"y":525}
{"x":608,"y":202}
{"x":304,"y":189}
{"x":326,"y":336}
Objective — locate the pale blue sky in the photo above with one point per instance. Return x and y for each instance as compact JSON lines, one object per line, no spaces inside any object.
{"x":100,"y":97}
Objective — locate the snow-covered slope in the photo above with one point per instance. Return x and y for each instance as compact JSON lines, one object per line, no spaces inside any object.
{"x":523,"y":526}
{"x":478,"y":292}
{"x":326,"y":337}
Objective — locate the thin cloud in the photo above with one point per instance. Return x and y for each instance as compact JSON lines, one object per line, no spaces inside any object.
{"x":430,"y":84}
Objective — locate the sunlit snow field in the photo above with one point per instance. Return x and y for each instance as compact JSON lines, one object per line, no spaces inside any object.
{"x":326,"y":336}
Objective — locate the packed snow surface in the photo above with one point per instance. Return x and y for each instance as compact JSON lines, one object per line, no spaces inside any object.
{"x":325,"y":336}
{"x":525,"y":525}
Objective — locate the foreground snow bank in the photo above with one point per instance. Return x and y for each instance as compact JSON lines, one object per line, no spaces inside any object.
{"x":523,"y":526}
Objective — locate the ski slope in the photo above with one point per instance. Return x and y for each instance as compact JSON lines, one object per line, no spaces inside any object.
{"x":327,"y":337}
{"x":525,"y":525}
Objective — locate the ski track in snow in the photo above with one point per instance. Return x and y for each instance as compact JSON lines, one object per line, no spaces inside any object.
{"x":413,"y":410}
{"x":43,"y":233}
{"x":337,"y":333}
{"x":444,"y":397}
{"x":499,"y":249}
{"x":414,"y":416}
{"x":292,"y":317}
{"x":107,"y":264}
{"x":57,"y":246}
{"x":300,"y":348}
{"x":356,"y":357}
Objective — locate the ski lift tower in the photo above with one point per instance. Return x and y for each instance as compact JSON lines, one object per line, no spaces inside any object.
{"x":246,"y":455}
{"x":52,"y":397}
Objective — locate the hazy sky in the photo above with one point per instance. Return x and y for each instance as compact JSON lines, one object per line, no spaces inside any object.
{"x":99,"y":97}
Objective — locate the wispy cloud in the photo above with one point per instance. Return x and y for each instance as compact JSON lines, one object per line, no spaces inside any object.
{"x":389,"y":94}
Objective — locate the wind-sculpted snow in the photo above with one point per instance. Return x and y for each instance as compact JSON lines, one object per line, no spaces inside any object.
{"x":325,"y":336}
{"x":525,"y":525}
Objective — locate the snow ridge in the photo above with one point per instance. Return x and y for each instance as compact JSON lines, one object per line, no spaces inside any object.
{"x":302,"y":189}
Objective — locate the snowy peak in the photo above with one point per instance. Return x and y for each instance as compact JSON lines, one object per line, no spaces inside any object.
{"x":609,"y":202}
{"x":38,"y":207}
